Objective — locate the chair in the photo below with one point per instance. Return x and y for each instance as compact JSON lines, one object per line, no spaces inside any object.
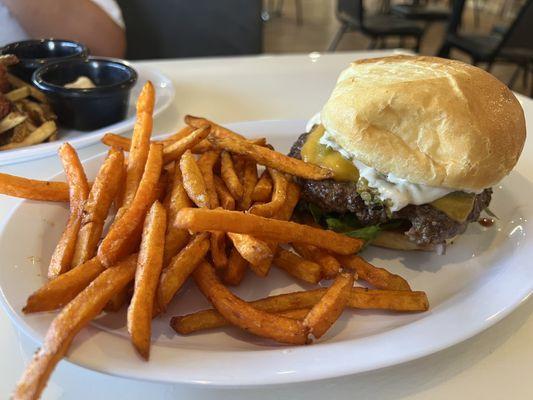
{"x":350,"y":14}
{"x":485,"y":48}
{"x":184,"y":28}
{"x":477,"y":46}
{"x":275,"y":9}
{"x":421,"y":12}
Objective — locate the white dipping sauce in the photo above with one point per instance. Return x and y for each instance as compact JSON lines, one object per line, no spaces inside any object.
{"x":400,"y":191}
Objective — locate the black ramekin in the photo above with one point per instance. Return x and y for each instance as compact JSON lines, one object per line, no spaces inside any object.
{"x":87,"y":109}
{"x":33,"y":54}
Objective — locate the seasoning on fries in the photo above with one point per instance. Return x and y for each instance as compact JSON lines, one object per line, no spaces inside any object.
{"x":32,"y":189}
{"x":176,"y":221}
{"x":79,"y":190}
{"x":359,"y":298}
{"x":197,"y":219}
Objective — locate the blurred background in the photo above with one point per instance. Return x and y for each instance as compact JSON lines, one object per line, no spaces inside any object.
{"x":496,"y":35}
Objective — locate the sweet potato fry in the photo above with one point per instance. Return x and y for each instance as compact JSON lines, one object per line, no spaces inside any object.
{"x":230,"y":177}
{"x":113,"y":140}
{"x":234,"y":273}
{"x":227,"y":202}
{"x":218,"y":249}
{"x":295,"y":314}
{"x":175,"y":239}
{"x":124,"y":143}
{"x":202,"y":147}
{"x":263,"y":190}
{"x":76,"y":314}
{"x":182,"y":133}
{"x":249,"y":180}
{"x":324,"y":313}
{"x":33,"y":189}
{"x":330,"y":265}
{"x":241,"y":314}
{"x":279,"y":195}
{"x":257,"y":252}
{"x":59,"y":291}
{"x":124,"y":233}
{"x":270,"y":158}
{"x":293,"y":197}
{"x":120,"y":299}
{"x":101,"y":196}
{"x":179,"y":269}
{"x":206,"y":164}
{"x":359,"y":298}
{"x":174,"y":151}
{"x":193,"y":181}
{"x":197,"y":122}
{"x":140,"y":141}
{"x":149,"y":266}
{"x":269,"y":229}
{"x":380,"y":278}
{"x":298,"y":267}
{"x":79,"y":190}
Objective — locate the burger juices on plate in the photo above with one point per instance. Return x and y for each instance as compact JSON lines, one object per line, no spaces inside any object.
{"x":416,"y":143}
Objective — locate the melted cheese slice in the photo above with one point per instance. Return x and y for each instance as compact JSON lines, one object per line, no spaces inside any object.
{"x":316,"y":153}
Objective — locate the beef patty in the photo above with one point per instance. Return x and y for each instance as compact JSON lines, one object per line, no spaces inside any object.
{"x":429,"y":226}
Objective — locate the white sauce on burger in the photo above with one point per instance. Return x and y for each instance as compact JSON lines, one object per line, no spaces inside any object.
{"x":399,"y":191}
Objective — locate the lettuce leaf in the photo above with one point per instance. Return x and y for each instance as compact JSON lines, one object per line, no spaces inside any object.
{"x":349,"y":224}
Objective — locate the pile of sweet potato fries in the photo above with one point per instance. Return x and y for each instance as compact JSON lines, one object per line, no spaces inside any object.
{"x":193,"y":205}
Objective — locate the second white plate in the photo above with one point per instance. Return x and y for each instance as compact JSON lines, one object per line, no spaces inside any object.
{"x":164,"y":95}
{"x":483,"y":277}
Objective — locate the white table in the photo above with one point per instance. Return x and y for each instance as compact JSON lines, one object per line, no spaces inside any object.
{"x":496,"y":364}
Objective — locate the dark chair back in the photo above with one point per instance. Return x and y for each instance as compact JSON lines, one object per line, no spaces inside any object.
{"x":520,"y":32}
{"x":184,"y":28}
{"x":456,"y":16}
{"x":350,"y":11}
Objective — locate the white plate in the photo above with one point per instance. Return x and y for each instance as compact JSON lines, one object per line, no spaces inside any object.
{"x":78,"y":139}
{"x":484,"y":276}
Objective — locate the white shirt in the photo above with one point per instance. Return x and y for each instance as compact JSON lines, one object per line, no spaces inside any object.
{"x":11,"y":31}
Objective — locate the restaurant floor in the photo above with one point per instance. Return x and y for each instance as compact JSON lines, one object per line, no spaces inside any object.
{"x":282,"y":34}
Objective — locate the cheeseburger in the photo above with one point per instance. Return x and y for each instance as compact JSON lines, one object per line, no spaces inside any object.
{"x":415,"y":144}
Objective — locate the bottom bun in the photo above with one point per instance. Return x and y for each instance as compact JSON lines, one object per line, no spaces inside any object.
{"x":399,"y":241}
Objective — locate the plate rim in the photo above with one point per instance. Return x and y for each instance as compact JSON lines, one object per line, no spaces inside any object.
{"x":518,"y":298}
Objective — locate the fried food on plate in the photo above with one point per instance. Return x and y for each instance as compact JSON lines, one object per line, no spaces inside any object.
{"x":257,"y":252}
{"x":237,"y":266}
{"x":330,"y":306}
{"x":245,"y":316}
{"x":193,"y":180}
{"x":175,"y":238}
{"x":179,"y":268}
{"x":279,"y":195}
{"x":230,"y":177}
{"x":140,"y":141}
{"x":66,"y":325}
{"x":149,"y":264}
{"x":359,"y":298}
{"x":16,"y":186}
{"x":299,"y":267}
{"x":330,"y":265}
{"x":197,"y":219}
{"x":380,"y":278}
{"x":125,"y":232}
{"x":263,"y":190}
{"x":103,"y":192}
{"x":270,"y":158}
{"x":79,"y":190}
